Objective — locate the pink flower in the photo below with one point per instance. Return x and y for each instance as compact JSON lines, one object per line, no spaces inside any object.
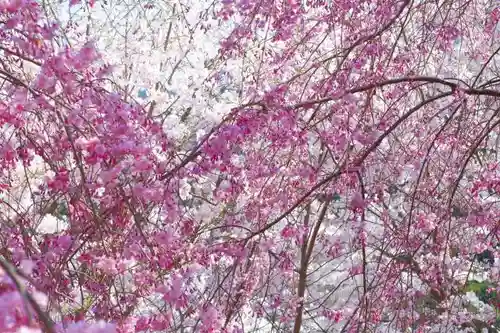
{"x":166,"y":237}
{"x":108,"y":266}
{"x":12,"y":6}
{"x":142,"y":165}
{"x":289,"y":232}
{"x":175,"y":294}
{"x":86,"y":56}
{"x":159,"y":323}
{"x":357,"y":202}
{"x":210,"y":318}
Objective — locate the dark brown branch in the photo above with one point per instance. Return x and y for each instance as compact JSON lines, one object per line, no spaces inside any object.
{"x":428,"y":79}
{"x":12,"y":273}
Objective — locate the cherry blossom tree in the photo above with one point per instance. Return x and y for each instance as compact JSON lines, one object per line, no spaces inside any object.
{"x":349,"y":190}
{"x":375,"y":99}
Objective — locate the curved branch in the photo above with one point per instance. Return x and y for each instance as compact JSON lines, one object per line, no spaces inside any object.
{"x":343,"y":168}
{"x":428,"y":79}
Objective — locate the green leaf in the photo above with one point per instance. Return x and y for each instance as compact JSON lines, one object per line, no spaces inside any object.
{"x":481,"y":290}
{"x":62,"y":210}
{"x":476,"y":286}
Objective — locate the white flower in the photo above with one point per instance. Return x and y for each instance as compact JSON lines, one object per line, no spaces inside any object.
{"x":185,"y":190}
{"x":50,"y":224}
{"x":27,"y":266}
{"x":28,"y":330}
{"x":238,"y":161}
